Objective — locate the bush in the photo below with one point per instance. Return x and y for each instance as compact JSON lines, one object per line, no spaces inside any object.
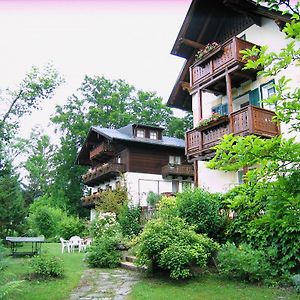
{"x":296,"y":282}
{"x":243,"y":262}
{"x":103,"y":253}
{"x":70,"y":226}
{"x":3,"y":257}
{"x":129,"y":220}
{"x":112,"y":201}
{"x":167,"y":206}
{"x":203,"y":210}
{"x":171,"y":244}
{"x":46,"y":266}
{"x":105,"y":224}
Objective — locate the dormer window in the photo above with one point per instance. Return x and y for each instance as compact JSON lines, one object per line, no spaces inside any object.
{"x":153,"y":135}
{"x":140,"y":133}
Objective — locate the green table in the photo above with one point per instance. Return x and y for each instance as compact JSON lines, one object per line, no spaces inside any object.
{"x":15,"y":242}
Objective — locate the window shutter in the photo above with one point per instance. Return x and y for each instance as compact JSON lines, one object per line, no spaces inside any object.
{"x":224,"y":109}
{"x":254,"y":97}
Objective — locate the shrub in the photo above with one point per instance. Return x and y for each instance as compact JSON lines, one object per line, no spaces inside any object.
{"x":203,"y":210}
{"x":112,"y":201}
{"x":70,"y":226}
{"x":152,"y":198}
{"x":243,"y":262}
{"x":105,"y":224}
{"x":3,"y":257}
{"x":129,"y":220}
{"x":167,"y":206}
{"x":296,"y":282}
{"x":103,"y":253}
{"x":46,"y":266}
{"x":173,"y":245}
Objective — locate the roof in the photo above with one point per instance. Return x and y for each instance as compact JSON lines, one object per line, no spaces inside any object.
{"x":126,"y":134}
{"x":204,"y":23}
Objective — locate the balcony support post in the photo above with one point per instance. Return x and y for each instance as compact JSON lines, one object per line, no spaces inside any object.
{"x":229,"y":96}
{"x":200,"y":104}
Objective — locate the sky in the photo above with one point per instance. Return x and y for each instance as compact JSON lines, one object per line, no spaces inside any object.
{"x":130,"y":40}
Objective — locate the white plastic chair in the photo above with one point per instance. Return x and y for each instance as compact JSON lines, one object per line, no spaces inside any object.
{"x":75,"y":242}
{"x":86,"y":243}
{"x":64,"y":244}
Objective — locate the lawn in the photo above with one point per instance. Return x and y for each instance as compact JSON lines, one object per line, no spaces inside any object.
{"x":207,"y":287}
{"x":57,"y":289}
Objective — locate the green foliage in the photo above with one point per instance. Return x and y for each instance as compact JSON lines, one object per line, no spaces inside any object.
{"x":3,"y":258}
{"x":71,"y":226}
{"x":9,"y":287}
{"x":163,"y":240}
{"x":47,"y":266}
{"x":203,"y":210}
{"x":267,"y":217}
{"x":167,"y":206}
{"x":152,"y":198}
{"x":296,"y":282}
{"x":129,"y":220}
{"x":105,"y":224}
{"x":112,"y":201}
{"x":11,"y":203}
{"x":243,"y":262}
{"x":103,"y":253}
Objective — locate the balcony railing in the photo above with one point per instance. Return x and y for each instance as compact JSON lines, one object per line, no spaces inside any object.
{"x":246,"y":121}
{"x":103,"y":173}
{"x":102,"y":149}
{"x":178,"y":170}
{"x":89,"y":201}
{"x":226,"y":57}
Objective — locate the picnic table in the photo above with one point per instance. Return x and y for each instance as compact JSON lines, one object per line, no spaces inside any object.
{"x":16,"y":242}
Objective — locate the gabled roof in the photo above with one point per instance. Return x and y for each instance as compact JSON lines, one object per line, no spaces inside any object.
{"x":204,"y":23}
{"x":124,"y":135}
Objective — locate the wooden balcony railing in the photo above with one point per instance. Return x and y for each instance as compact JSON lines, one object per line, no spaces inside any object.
{"x":246,"y":121}
{"x":178,"y":170}
{"x":225,"y":57}
{"x":89,"y":201}
{"x":102,"y":173}
{"x":103,"y":148}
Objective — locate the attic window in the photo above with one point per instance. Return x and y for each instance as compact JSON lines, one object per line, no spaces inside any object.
{"x":140,"y":133}
{"x":153,"y":135}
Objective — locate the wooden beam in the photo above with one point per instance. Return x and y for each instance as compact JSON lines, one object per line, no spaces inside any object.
{"x":185,"y":86}
{"x":191,"y":43}
{"x":200,"y":105}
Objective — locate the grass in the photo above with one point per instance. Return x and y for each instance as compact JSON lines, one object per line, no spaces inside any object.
{"x":206,"y":287}
{"x":56,"y":289}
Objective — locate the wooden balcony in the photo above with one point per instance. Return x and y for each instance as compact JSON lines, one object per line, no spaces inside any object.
{"x":102,"y":150}
{"x":246,"y":121}
{"x":184,"y":170}
{"x":89,"y":201}
{"x":209,"y":72}
{"x":103,"y":173}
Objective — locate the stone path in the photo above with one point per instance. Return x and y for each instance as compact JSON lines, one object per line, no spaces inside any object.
{"x":114,"y":284}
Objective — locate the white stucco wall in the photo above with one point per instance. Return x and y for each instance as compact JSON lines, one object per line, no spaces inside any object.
{"x":140,"y":184}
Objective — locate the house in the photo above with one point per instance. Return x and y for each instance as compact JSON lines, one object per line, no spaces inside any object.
{"x":223,"y":97}
{"x":136,"y":156}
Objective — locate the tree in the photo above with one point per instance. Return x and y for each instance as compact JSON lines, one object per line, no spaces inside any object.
{"x":38,"y":164}
{"x":105,"y":103}
{"x":12,"y":211}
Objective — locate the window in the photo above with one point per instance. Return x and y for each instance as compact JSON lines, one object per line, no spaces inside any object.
{"x":243,"y":37}
{"x":140,"y":133}
{"x":240,"y":177}
{"x":153,"y":135}
{"x":118,"y":159}
{"x":268,"y":90}
{"x":221,"y":109}
{"x":174,"y":160}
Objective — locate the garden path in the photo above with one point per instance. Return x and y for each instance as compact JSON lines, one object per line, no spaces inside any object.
{"x":105,"y":284}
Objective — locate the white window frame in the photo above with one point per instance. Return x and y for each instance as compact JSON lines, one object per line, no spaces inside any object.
{"x":153,"y":135}
{"x":140,"y":133}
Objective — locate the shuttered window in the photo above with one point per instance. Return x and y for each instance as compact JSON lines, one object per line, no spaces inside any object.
{"x":221,"y":109}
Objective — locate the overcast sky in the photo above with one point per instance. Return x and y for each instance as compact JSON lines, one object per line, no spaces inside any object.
{"x":130,"y":40}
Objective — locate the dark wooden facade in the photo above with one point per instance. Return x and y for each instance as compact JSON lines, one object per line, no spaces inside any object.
{"x":110,"y":157}
{"x":246,"y":121}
